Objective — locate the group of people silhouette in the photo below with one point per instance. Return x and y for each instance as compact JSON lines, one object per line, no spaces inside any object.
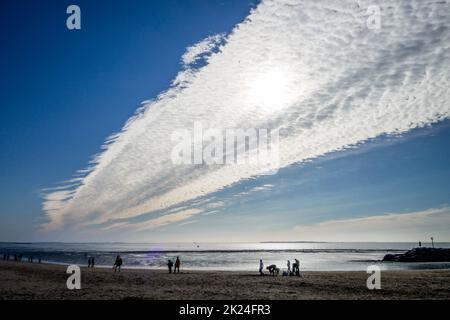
{"x":118,"y":264}
{"x":273,"y":270}
{"x":177,"y":265}
{"x":91,"y":262}
{"x":18,"y":258}
{"x":116,"y":267}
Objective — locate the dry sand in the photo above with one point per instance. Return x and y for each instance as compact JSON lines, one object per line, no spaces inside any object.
{"x":44,"y":281}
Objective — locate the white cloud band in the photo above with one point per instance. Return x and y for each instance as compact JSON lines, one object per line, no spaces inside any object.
{"x":312,"y":69}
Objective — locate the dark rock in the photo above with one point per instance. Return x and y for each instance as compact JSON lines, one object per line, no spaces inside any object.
{"x":421,"y":254}
{"x":390,"y":257}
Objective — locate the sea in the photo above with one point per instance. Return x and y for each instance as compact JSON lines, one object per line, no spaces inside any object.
{"x":313,"y":256}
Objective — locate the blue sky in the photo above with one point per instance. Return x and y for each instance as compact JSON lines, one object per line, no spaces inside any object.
{"x":64,"y":92}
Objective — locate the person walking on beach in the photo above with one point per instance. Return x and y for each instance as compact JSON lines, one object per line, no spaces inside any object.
{"x":177,"y":265}
{"x":261,"y":267}
{"x":89,"y":262}
{"x":92,"y":262}
{"x":289,"y":267}
{"x":170,"y":265}
{"x":117,"y":264}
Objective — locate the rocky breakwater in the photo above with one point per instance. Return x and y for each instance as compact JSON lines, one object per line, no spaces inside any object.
{"x":422,"y":254}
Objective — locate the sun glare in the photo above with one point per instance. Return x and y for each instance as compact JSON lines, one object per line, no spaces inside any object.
{"x":270,"y":90}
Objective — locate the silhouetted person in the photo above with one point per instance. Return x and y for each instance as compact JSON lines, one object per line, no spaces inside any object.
{"x":420,"y":243}
{"x":117,"y":264}
{"x":296,"y":267}
{"x":92,"y":262}
{"x":177,"y":265}
{"x":289,"y":267}
{"x":273,"y":270}
{"x":15,"y":257}
{"x":261,"y":267}
{"x":170,"y":265}
{"x":89,"y":262}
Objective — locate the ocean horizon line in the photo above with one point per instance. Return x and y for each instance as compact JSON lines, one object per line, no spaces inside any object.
{"x":206,"y":242}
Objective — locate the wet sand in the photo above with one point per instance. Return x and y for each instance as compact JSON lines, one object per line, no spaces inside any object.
{"x":45,"y":281}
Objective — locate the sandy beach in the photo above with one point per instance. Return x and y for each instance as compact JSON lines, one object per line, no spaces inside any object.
{"x":45,"y":281}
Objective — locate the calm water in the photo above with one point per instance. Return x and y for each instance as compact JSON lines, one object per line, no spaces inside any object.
{"x":224,"y":256}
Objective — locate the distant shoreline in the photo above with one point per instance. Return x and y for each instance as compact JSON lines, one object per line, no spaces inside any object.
{"x":214,"y":242}
{"x":296,"y":242}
